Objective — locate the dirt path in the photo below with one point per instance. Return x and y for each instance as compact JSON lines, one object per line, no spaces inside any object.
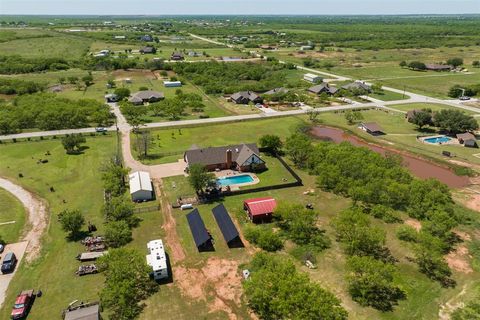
{"x":37,"y":216}
{"x":169,"y":225}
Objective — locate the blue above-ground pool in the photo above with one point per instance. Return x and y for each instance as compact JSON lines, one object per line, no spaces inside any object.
{"x":437,"y":140}
{"x":240,"y":179}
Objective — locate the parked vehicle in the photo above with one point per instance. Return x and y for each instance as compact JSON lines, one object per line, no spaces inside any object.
{"x":2,"y":247}
{"x":22,"y":305}
{"x":9,"y":262}
{"x":101,"y":129}
{"x":464,"y":98}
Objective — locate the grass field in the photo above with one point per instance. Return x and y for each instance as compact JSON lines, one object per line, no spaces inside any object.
{"x":176,"y":141}
{"x":53,"y":272}
{"x":58,"y":46}
{"x":11,"y":209}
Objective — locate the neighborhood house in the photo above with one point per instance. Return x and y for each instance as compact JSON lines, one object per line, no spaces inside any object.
{"x":357,"y":85}
{"x":157,"y":259}
{"x":323,"y":88}
{"x":142,"y":97}
{"x":276,"y":90}
{"x":243,"y":157}
{"x":148,"y":50}
{"x":244,"y":97}
{"x":177,"y":56}
{"x":141,"y":188}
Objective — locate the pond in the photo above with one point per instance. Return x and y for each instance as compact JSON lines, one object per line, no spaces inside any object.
{"x":421,"y":168}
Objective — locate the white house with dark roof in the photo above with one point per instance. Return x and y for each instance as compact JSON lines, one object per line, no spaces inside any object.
{"x":141,"y":188}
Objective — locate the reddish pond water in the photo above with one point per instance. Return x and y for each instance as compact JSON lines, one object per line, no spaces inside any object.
{"x":419,"y":167}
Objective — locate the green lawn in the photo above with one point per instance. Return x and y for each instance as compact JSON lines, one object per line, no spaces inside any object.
{"x":388,"y":96}
{"x":59,"y":46}
{"x":77,"y":182}
{"x":11,"y":209}
{"x":432,"y":106}
{"x":176,"y":140}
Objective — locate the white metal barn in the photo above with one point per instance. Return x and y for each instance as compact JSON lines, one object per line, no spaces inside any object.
{"x":141,"y":186}
{"x":157,"y":259}
{"x":312,"y":78}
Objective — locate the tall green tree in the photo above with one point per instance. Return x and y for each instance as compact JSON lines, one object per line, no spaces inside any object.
{"x":371,"y":283}
{"x":72,"y":143}
{"x":117,"y":233}
{"x":127,"y":283}
{"x":271,"y":142}
{"x":72,"y":221}
{"x":298,"y":147}
{"x":199,"y":177}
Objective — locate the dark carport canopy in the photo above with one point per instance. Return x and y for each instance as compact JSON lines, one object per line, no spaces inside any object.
{"x":229,"y":231}
{"x":197,"y":227}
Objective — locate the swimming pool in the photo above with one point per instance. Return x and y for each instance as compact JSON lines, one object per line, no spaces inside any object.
{"x":240,"y":179}
{"x":437,"y":140}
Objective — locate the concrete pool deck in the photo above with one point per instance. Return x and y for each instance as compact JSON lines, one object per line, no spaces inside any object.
{"x":452,"y":141}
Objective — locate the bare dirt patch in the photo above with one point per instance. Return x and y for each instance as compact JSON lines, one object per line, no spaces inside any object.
{"x":121,"y":75}
{"x":169,"y":225}
{"x":458,"y":260}
{"x":217,"y":281}
{"x":414,"y":223}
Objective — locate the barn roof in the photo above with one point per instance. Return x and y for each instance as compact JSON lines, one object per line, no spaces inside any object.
{"x":198,"y":229}
{"x":225,"y":223}
{"x":372,"y":127}
{"x":139,"y":181}
{"x":260,"y":206}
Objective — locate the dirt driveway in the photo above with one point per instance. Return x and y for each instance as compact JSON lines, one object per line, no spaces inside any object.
{"x":19,"y":250}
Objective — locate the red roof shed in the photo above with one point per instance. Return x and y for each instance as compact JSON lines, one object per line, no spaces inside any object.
{"x":260,"y":209}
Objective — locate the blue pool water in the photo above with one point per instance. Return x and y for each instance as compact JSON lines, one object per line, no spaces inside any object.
{"x":442,"y":139}
{"x":228,"y":181}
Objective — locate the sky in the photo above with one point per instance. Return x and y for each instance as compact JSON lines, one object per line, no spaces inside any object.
{"x":237,"y":7}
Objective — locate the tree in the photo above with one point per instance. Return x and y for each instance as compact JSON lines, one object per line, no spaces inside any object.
{"x":300,"y":225}
{"x":353,"y":116}
{"x":143,"y":142}
{"x":476,"y":64}
{"x":264,"y":238}
{"x":275,"y":290}
{"x":122,"y":93}
{"x":422,"y":118}
{"x":117,"y":233}
{"x":403,"y":64}
{"x":354,"y":230}
{"x":134,"y":114}
{"x":72,"y":79}
{"x":87,"y":80}
{"x":173,"y":108}
{"x":455,"y":62}
{"x":470,"y":311}
{"x":73,"y":143}
{"x":456,"y":91}
{"x":272,"y":143}
{"x":377,"y":88}
{"x":298,"y":148}
{"x":417,"y":65}
{"x":118,"y":209}
{"x":127,"y":282}
{"x":113,"y":177}
{"x":370,"y":283}
{"x":432,"y":264}
{"x":454,"y":121}
{"x":71,"y":221}
{"x":199,"y":177}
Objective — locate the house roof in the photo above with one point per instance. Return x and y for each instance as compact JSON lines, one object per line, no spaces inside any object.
{"x":277,"y":90}
{"x":432,"y":66}
{"x":216,"y":155}
{"x":198,"y":229}
{"x":177,"y":54}
{"x":372,"y":127}
{"x":225,"y":223}
{"x":140,"y":181}
{"x":466,"y":136}
{"x":86,"y":313}
{"x":146,"y":95}
{"x":261,"y":206}
{"x":357,"y":85}
{"x":147,"y":49}
{"x":323,"y":87}
{"x":250,"y":95}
